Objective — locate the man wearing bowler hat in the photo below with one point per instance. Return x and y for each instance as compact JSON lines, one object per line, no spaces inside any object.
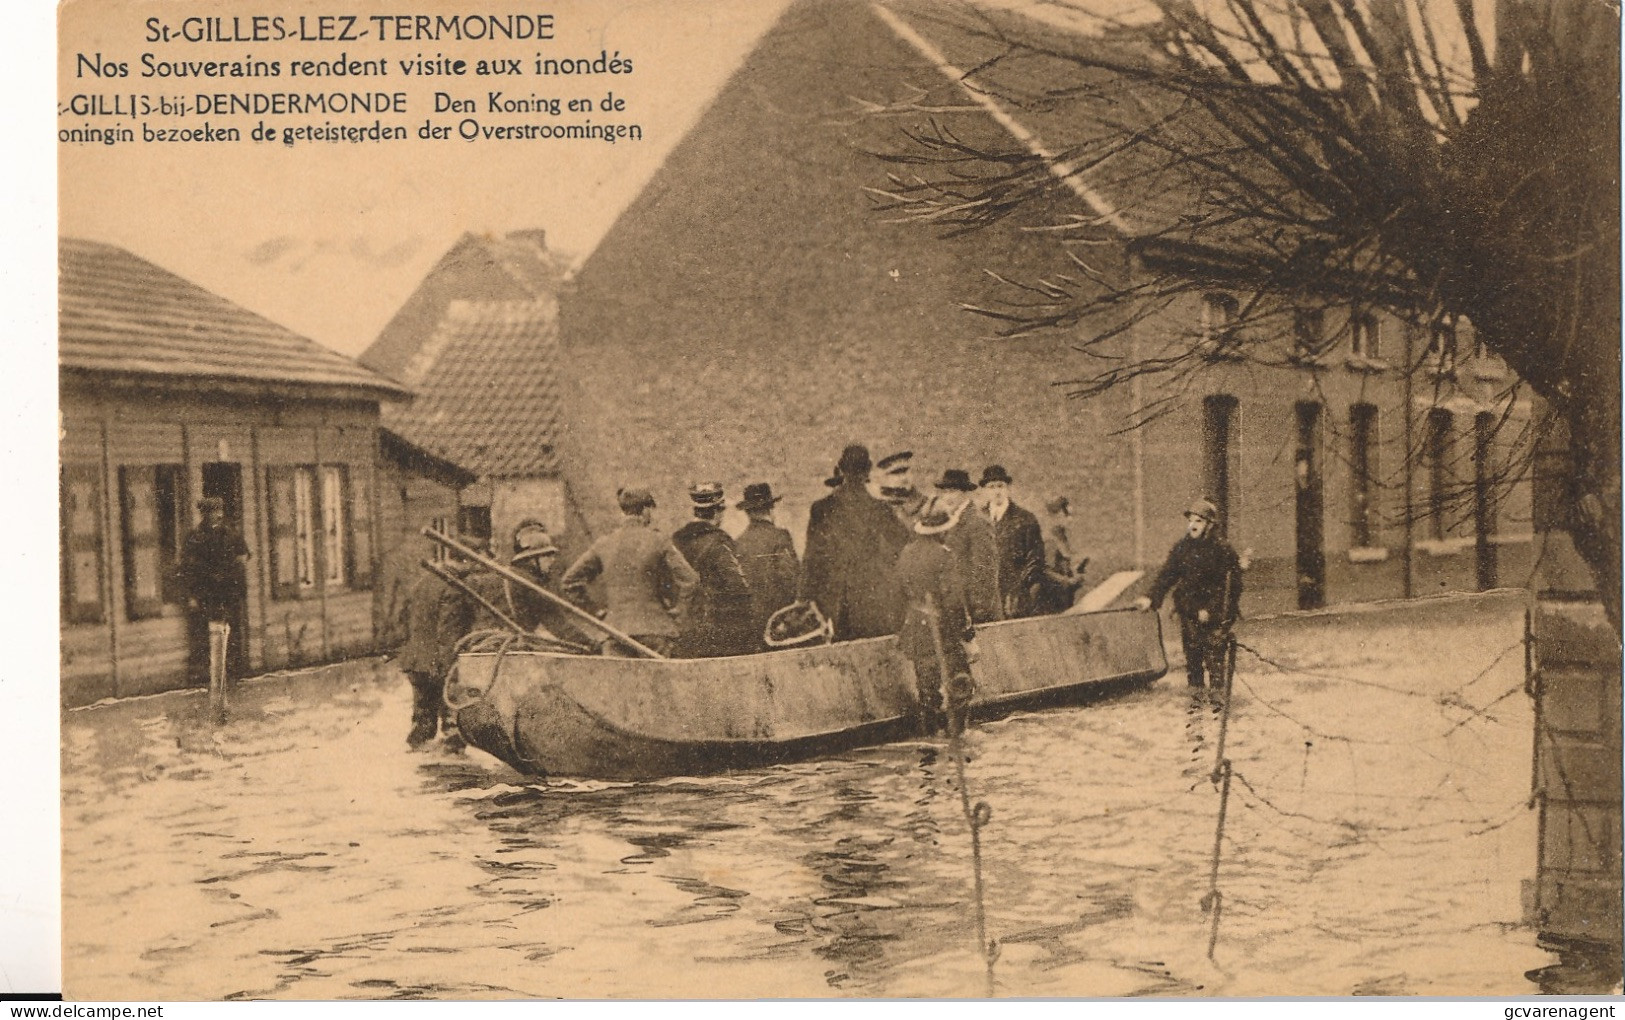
{"x":936,"y":625}
{"x":645,"y":582}
{"x":718,"y":619}
{"x":768,"y":558}
{"x":215,"y":585}
{"x":852,"y":544}
{"x":970,"y":536}
{"x":1204,"y":574}
{"x":1020,"y":542}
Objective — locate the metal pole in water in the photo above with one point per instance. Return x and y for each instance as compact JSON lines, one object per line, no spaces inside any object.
{"x":1214,"y":900}
{"x":219,"y":639}
{"x":975,"y":817}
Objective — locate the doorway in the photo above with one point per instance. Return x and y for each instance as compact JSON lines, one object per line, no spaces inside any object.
{"x":1311,"y":532}
{"x":224,"y":480}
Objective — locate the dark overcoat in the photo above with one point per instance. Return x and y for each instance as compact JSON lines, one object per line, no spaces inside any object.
{"x":852,"y":544}
{"x":1020,"y":542}
{"x":211,"y":569}
{"x":718,"y":619}
{"x":437,"y":617}
{"x":934,"y":613}
{"x":1203,"y":573}
{"x":971,"y":539}
{"x":768,"y":557}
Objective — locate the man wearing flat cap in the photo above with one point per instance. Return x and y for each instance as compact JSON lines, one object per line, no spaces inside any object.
{"x":852,"y":544}
{"x":1020,"y":542}
{"x":970,"y":536}
{"x":1204,"y":574}
{"x":644,"y":579}
{"x":215,"y":584}
{"x":768,"y":558}
{"x":718,"y":620}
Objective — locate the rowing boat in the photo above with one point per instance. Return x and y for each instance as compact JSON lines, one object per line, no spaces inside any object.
{"x":549,"y":713}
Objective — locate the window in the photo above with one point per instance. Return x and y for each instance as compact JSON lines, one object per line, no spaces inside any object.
{"x":81,"y":511}
{"x":1441,"y":352}
{"x":320,"y":523}
{"x":1219,"y":314}
{"x":1308,"y":332}
{"x":1220,"y":427}
{"x":438,"y":552}
{"x":1363,"y":436}
{"x":1367,"y":336}
{"x":152,"y":499}
{"x":1484,"y":427}
{"x":1436,"y":459}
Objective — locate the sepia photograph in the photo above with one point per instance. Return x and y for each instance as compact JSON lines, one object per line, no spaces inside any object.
{"x":838,"y":499}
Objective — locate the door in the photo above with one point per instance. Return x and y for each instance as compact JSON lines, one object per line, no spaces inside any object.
{"x":1311,"y":552}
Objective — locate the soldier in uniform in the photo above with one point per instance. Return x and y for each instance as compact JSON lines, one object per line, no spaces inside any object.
{"x":718,"y":619}
{"x":646,"y":581}
{"x":1020,"y":543}
{"x":768,"y":558}
{"x":534,"y":556}
{"x":970,"y":536}
{"x":897,"y":489}
{"x":851,"y":551}
{"x":215,"y":585}
{"x":936,"y":626}
{"x":1204,"y":574}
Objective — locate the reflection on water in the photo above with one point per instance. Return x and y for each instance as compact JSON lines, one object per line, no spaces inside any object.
{"x":1375,"y":843}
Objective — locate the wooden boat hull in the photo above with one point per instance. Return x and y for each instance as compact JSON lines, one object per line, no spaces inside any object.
{"x":615,"y":718}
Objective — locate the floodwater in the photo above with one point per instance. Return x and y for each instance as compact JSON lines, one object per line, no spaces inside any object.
{"x":1376,"y":836}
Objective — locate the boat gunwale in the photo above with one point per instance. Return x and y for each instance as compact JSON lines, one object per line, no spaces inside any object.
{"x":618,"y":729}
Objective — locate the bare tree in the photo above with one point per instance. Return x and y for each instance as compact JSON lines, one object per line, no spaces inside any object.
{"x":1440,"y":159}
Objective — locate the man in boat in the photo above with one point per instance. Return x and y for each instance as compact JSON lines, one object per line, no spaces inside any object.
{"x":897,"y":489}
{"x":1204,"y":574}
{"x":851,"y":554}
{"x":534,"y":556}
{"x":1063,"y":571}
{"x":438,"y":615}
{"x":645,"y":581}
{"x":1020,"y":543}
{"x":936,"y":625}
{"x":970,"y":536}
{"x":768,"y":558}
{"x":215,"y":585}
{"x":718,"y":618}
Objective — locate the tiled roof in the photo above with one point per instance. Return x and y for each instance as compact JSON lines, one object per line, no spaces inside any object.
{"x":121,"y":314}
{"x":488,"y":396}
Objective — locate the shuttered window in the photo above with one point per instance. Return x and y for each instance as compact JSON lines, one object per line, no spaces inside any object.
{"x":279,"y":488}
{"x":82,"y":569}
{"x":143,"y":569}
{"x":321,"y":529}
{"x":359,"y":510}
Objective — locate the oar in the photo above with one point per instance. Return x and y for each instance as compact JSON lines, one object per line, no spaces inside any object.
{"x":492,"y":565}
{"x":464,"y":587}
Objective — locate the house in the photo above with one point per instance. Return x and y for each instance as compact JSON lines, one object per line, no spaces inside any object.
{"x":416,"y":489}
{"x":478,"y":343}
{"x":168,"y":394}
{"x":751,"y":312}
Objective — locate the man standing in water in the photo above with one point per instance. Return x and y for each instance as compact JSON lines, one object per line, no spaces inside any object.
{"x":936,"y":624}
{"x":215,"y":583}
{"x":1204,"y":574}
